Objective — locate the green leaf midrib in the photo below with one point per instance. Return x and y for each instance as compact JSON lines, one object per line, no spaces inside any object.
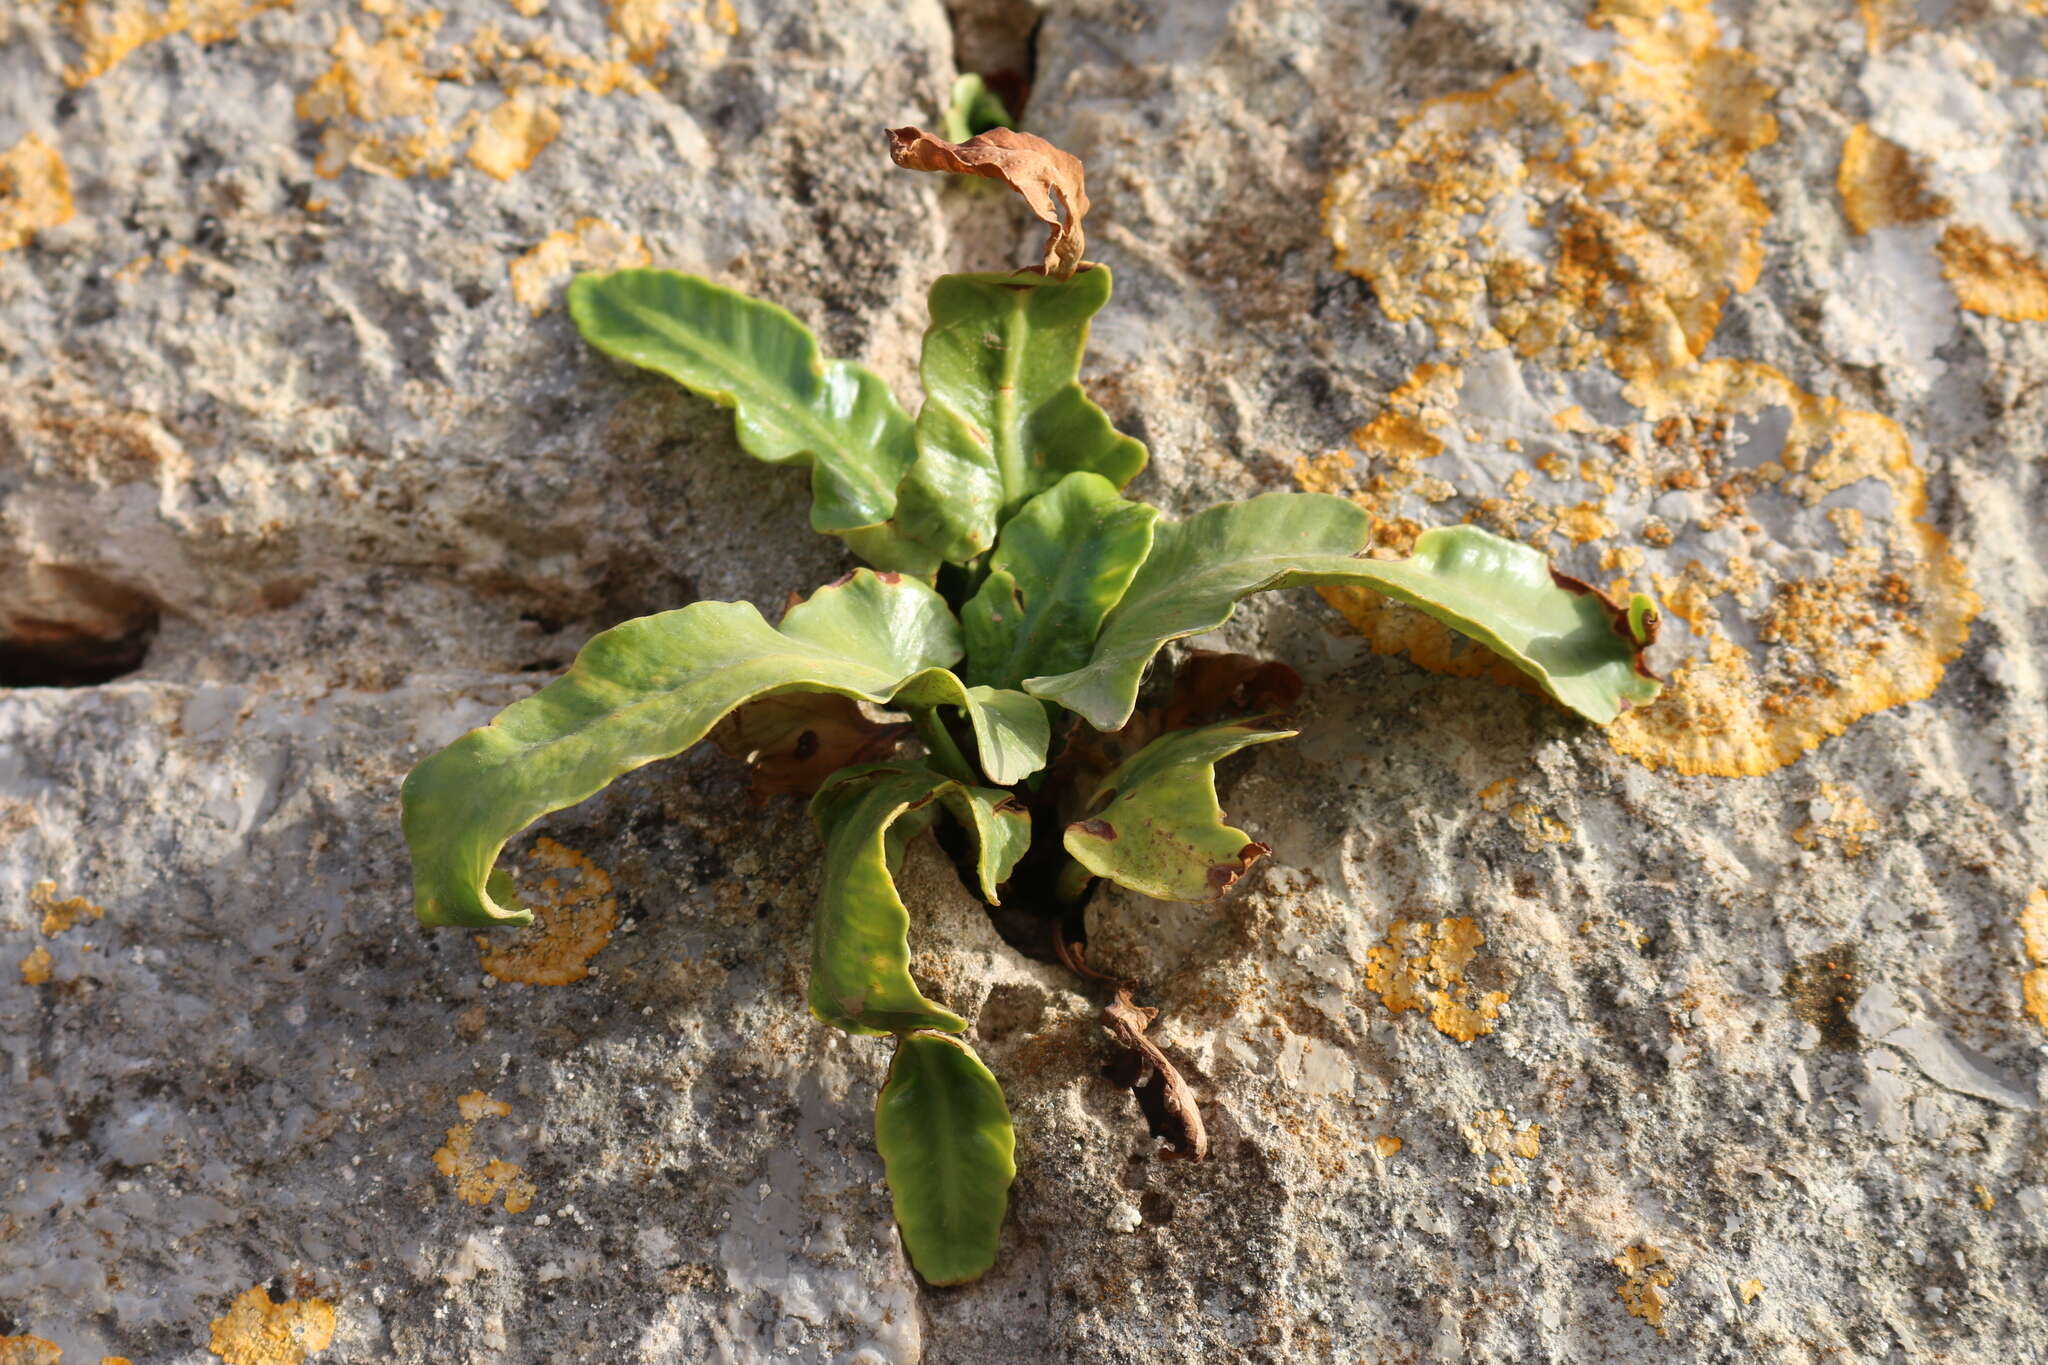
{"x":1009,"y":448}
{"x":732,"y":364}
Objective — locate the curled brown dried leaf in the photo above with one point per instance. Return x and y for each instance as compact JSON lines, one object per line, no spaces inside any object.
{"x":1142,"y":1068}
{"x":795,"y":741}
{"x":1050,"y":180}
{"x":1169,"y":1105}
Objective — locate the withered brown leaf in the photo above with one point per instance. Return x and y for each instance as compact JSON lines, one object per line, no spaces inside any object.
{"x":795,"y":741}
{"x":1169,"y":1105}
{"x":1049,"y":179}
{"x":1166,"y":1099}
{"x":1212,"y":686}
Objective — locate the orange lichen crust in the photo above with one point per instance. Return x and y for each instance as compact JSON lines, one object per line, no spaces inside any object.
{"x":1421,"y":966}
{"x":477,"y":1180}
{"x":1991,"y":277}
{"x":572,"y":922}
{"x":2034,"y":938}
{"x":28,"y":1351}
{"x":255,"y":1331}
{"x":1646,"y":203}
{"x":407,"y":102}
{"x":35,"y":968}
{"x":35,"y":191}
{"x":592,"y":244}
{"x":1643,"y":1275}
{"x":1875,"y":629}
{"x":645,"y":25}
{"x":1880,"y":186}
{"x":106,"y":31}
{"x":1491,"y":1133}
{"x":1603,"y":221}
{"x":60,"y":915}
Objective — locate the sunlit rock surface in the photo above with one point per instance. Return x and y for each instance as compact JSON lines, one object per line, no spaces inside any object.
{"x":1722,"y":1035}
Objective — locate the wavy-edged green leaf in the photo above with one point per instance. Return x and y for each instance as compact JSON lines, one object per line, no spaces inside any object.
{"x":1155,"y":825}
{"x":1059,"y":566}
{"x":1004,"y":418}
{"x":1011,"y":729}
{"x":950,"y":1153}
{"x":790,"y":406}
{"x":1584,"y":651}
{"x":646,"y":690}
{"x":1001,"y":827}
{"x":860,"y":945}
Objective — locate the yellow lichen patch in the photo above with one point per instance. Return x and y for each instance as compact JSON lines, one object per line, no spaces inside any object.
{"x":1991,"y":277}
{"x":512,"y":135}
{"x":1886,"y":21}
{"x":408,"y":102}
{"x":1846,"y":819}
{"x":592,"y":244}
{"x":574,"y":913}
{"x":1385,"y":1145}
{"x":1645,"y":205}
{"x":35,"y":191}
{"x":35,"y":968}
{"x":1537,"y":829}
{"x":1495,"y":795}
{"x":2034,"y":935}
{"x":255,"y":1331}
{"x":1490,"y":1133}
{"x":1421,"y":966}
{"x":1880,"y":186}
{"x":645,"y":25}
{"x":477,"y":1180}
{"x":1606,"y":224}
{"x":1875,"y":629}
{"x":1985,"y":1201}
{"x":106,"y":31}
{"x":1404,"y":432}
{"x":28,"y":1351}
{"x":1749,"y":1289}
{"x":1643,"y":1274}
{"x":59,"y":915}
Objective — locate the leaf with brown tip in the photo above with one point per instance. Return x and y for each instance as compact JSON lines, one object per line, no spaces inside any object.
{"x":1154,"y":825}
{"x":1049,"y":179}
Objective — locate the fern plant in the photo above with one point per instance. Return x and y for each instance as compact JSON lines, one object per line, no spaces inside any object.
{"x":1013,"y":601}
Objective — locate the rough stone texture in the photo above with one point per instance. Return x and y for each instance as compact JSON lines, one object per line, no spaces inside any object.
{"x":1771,"y":1025}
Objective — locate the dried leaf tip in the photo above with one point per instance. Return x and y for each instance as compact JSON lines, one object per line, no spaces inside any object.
{"x":1051,"y":181}
{"x":1170,"y":1109}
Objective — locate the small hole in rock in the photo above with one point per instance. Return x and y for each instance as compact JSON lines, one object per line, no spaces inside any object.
{"x":1156,"y":1208}
{"x":62,"y":626}
{"x":1011,"y":1008}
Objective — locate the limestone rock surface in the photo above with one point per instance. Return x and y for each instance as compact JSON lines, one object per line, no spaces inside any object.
{"x":1719,"y":1036}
